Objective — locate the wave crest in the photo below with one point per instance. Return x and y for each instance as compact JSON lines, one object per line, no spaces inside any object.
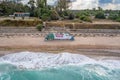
{"x":42,"y":60}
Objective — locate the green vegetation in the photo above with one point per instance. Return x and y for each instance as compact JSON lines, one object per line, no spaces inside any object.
{"x":118,"y":19}
{"x":54,"y":15}
{"x":8,"y":8}
{"x":85,"y":18}
{"x":40,"y":27}
{"x":115,"y":17}
{"x":100,"y":15}
{"x":60,"y":11}
{"x":45,"y":17}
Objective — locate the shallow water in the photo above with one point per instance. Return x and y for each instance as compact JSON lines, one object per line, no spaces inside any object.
{"x":63,"y":66}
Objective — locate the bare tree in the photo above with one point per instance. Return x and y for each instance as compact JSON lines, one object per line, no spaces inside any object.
{"x":63,"y":5}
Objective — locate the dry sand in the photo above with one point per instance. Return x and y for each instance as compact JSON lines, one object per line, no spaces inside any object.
{"x":107,"y":47}
{"x":39,"y":41}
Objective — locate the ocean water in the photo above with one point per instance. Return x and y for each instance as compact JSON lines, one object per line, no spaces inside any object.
{"x":63,"y":66}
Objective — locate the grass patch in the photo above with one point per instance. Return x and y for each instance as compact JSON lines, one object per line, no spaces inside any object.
{"x":26,"y":23}
{"x":73,"y":25}
{"x":40,"y":27}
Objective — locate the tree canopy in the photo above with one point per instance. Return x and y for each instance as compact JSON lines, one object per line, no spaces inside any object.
{"x":40,"y":9}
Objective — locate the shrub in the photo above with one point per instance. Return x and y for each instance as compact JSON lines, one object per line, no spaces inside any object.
{"x":113,"y":16}
{"x":100,"y":15}
{"x":65,"y":13}
{"x":85,"y":18}
{"x":77,"y":15}
{"x":81,"y":13}
{"x":40,"y":27}
{"x":71,"y":16}
{"x":54,"y":15}
{"x":118,"y":19}
{"x":45,"y":17}
{"x":82,"y":17}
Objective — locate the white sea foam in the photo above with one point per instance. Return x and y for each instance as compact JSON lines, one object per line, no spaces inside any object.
{"x":42,"y":60}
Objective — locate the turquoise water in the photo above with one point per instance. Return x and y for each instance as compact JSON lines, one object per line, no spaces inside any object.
{"x":93,"y":70}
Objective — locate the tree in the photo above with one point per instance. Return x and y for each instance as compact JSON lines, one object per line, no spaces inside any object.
{"x":32,"y":7}
{"x":45,"y":2}
{"x":26,"y":8}
{"x":100,"y":9}
{"x":43,"y":10}
{"x":63,"y":5}
{"x":8,"y":8}
{"x":41,"y":3}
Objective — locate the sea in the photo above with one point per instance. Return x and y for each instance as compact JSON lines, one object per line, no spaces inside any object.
{"x":63,"y":66}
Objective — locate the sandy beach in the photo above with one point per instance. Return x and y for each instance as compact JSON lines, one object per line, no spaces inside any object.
{"x":20,"y":42}
{"x":91,"y":46}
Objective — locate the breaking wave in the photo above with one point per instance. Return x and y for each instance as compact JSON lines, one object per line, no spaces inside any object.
{"x":63,"y":66}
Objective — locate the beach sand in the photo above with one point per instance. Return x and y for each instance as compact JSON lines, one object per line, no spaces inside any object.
{"x":97,"y":47}
{"x":23,"y":41}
